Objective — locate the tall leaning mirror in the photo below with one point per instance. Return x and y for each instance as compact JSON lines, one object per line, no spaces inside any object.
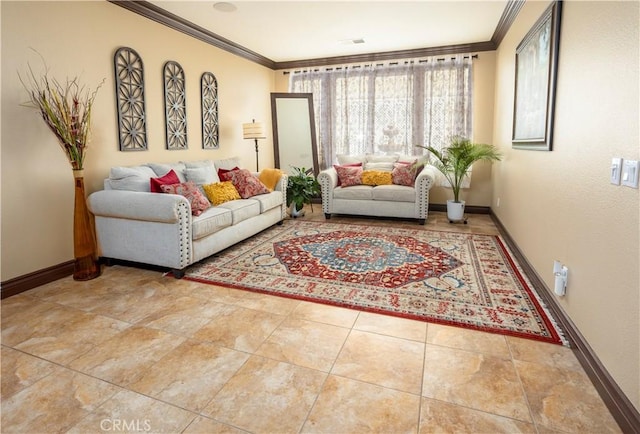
{"x":294,"y":131}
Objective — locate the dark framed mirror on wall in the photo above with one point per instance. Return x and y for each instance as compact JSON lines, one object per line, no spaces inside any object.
{"x":294,"y":131}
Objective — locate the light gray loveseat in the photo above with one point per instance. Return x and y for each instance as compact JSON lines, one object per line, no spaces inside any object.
{"x":133,"y":224}
{"x":393,"y":200}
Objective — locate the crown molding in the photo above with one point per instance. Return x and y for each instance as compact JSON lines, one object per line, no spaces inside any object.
{"x":389,"y":55}
{"x":506,"y":20}
{"x":159,"y":15}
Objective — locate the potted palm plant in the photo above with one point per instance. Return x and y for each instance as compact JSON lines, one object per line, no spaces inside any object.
{"x":302,"y":186}
{"x":454,"y":162}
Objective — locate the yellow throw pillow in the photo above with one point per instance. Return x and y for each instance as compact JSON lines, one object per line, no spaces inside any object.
{"x":270,"y":177}
{"x":376,"y":177}
{"x":221,"y":192}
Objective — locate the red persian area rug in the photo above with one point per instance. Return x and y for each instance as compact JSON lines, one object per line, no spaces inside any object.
{"x":452,"y":278}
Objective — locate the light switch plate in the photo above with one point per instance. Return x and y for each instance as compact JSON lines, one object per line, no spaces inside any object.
{"x":616,"y":170}
{"x":630,"y":172}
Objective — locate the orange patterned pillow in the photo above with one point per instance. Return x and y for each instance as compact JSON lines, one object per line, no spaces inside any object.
{"x":376,"y":177}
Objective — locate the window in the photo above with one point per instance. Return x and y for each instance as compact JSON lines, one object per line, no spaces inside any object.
{"x":388,"y":109}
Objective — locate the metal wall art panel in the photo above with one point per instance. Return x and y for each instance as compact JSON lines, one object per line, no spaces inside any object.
{"x":175,"y":106}
{"x":132,"y":125}
{"x":209,"y":97}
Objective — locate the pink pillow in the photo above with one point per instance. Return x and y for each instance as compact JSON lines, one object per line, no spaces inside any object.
{"x":168,"y":178}
{"x":404,"y":173}
{"x":191,"y":191}
{"x":349,"y":175}
{"x":335,"y":166}
{"x":246,"y":184}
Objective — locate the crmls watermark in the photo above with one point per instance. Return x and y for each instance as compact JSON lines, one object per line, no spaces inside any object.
{"x":132,"y":425}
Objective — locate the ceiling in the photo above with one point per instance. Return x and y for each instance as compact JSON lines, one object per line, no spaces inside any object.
{"x":289,"y":31}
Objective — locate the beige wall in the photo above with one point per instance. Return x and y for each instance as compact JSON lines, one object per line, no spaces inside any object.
{"x":483,"y":86}
{"x":37,"y":183}
{"x":559,"y":204}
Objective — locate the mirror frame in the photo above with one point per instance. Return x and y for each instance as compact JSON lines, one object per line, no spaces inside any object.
{"x":309,"y":113}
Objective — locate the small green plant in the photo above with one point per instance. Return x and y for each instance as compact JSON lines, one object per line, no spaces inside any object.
{"x":302,"y":186}
{"x":455,"y":160}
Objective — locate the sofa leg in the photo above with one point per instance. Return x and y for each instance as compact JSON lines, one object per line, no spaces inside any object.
{"x":422,"y":221}
{"x":327,"y":215}
{"x":280,"y":223}
{"x":178,"y":274}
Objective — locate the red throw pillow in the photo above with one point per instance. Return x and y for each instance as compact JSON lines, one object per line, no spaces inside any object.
{"x":246,"y":184}
{"x":191,"y":191}
{"x":168,"y":178}
{"x":222,"y":174}
{"x":335,"y":166}
{"x":349,"y":175}
{"x":404,"y":173}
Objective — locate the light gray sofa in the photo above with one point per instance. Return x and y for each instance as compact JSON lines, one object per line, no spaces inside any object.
{"x":133,"y":224}
{"x":399,"y":201}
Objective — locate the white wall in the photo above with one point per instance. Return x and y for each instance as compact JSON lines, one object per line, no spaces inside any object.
{"x":560,"y":204}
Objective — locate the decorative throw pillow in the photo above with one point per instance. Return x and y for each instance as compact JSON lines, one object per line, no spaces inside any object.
{"x":169,"y":178}
{"x":376,"y":177}
{"x":404,"y":173}
{"x":246,"y":184}
{"x":221,"y":192}
{"x":189,"y":190}
{"x":270,"y":177}
{"x":335,"y":166}
{"x":223,"y":174}
{"x":349,"y":175}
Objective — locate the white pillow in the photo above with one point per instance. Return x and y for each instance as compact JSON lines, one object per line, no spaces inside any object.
{"x":227,"y":164}
{"x":135,"y":178}
{"x":194,"y":164}
{"x":350,"y":159}
{"x":381,"y":158}
{"x":161,"y":169}
{"x":201,"y":175}
{"x":385,"y":167}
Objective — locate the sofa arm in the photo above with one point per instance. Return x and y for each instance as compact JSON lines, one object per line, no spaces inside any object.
{"x":328,"y":180}
{"x":424,"y":181}
{"x":135,"y":205}
{"x":148,"y":228}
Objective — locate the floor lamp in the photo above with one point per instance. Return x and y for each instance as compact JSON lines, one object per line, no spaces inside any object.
{"x":254,"y":130}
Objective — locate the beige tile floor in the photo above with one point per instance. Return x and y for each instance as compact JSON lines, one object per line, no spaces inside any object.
{"x":135,"y":351}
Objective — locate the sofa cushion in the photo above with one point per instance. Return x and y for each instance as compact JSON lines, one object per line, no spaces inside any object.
{"x":404,"y":173}
{"x":202,"y":175}
{"x":245,"y":182}
{"x":350,"y":159}
{"x":379,"y":165}
{"x":170,"y":178}
{"x":210,"y":221}
{"x":242,"y":209}
{"x":136,"y":178}
{"x":349,"y":175}
{"x":190,"y":191}
{"x":376,"y":177}
{"x":394,"y":193}
{"x":228,"y":163}
{"x":356,"y":192}
{"x":221,"y":192}
{"x":269,"y":201}
{"x":372,"y":158}
{"x":270,"y":177}
{"x":162,"y":169}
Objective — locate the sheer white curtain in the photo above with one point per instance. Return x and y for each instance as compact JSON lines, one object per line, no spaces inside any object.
{"x":388,"y":108}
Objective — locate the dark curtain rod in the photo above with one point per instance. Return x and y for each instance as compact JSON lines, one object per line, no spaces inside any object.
{"x":338,"y":68}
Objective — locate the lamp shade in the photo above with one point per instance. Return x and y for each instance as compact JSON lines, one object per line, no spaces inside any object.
{"x":253,"y":130}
